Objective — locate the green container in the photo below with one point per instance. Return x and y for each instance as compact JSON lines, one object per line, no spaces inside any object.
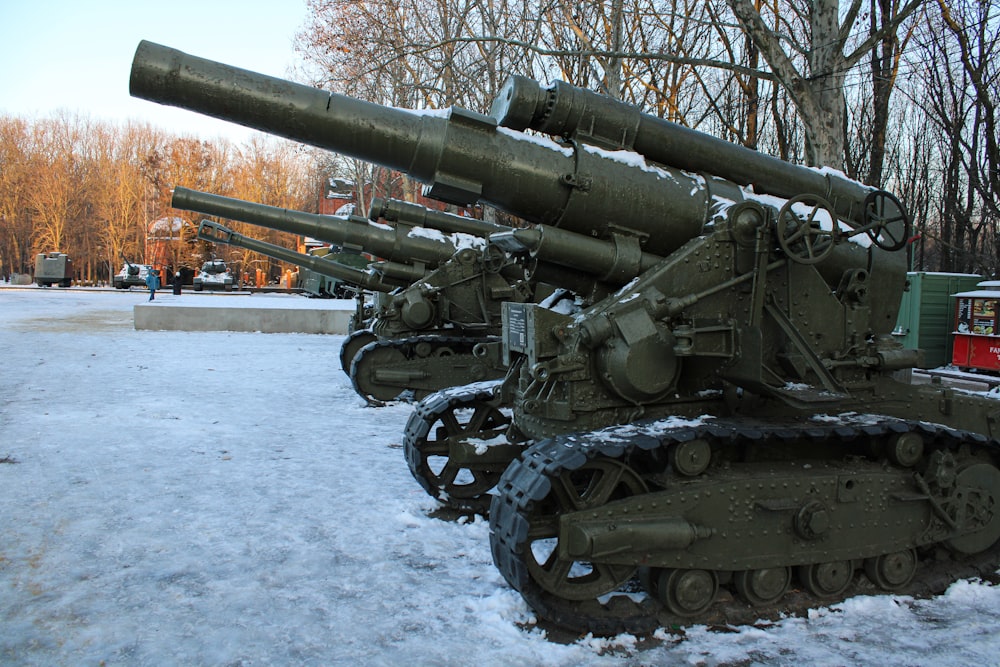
{"x":927,"y":310}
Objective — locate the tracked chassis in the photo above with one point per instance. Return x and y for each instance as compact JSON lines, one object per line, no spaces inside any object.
{"x":633,"y":528}
{"x":416,"y":366}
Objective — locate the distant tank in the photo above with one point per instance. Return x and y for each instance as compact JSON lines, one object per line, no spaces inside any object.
{"x":53,"y":268}
{"x":728,"y":418}
{"x":131,"y":275}
{"x":214,"y":275}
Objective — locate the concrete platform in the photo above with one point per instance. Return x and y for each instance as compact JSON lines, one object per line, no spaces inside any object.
{"x":265,"y":313}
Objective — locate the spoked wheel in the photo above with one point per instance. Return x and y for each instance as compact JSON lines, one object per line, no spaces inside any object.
{"x":493,"y":259}
{"x":429,"y":453}
{"x":892,"y":571}
{"x":594,"y":484}
{"x":800,"y":229}
{"x":763,"y":586}
{"x":827,"y":580}
{"x":352,"y":344}
{"x":535,"y":496}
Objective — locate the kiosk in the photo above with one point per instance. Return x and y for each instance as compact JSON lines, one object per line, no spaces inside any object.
{"x":977,"y":334}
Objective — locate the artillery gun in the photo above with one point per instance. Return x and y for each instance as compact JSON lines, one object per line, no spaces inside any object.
{"x":325,"y":286}
{"x":728,"y":418}
{"x":130,"y":275}
{"x":321,"y":265}
{"x":415,"y":215}
{"x":439,"y":326}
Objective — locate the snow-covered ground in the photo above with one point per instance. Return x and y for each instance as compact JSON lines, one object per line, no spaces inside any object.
{"x":226,"y":499}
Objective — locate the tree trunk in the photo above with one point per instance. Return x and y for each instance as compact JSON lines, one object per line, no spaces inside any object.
{"x":818,"y":95}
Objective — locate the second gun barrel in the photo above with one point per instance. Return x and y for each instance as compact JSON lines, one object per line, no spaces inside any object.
{"x":462,"y":156}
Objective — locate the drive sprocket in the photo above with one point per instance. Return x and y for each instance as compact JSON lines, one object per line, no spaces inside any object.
{"x":455,"y":445}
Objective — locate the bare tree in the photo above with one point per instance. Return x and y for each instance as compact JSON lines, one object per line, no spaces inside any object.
{"x":273,"y":172}
{"x":816,"y":62}
{"x":780,"y":75}
{"x":956,"y":81}
{"x":976,"y":30}
{"x":15,"y":217}
{"x":912,"y":157}
{"x":885,"y":58}
{"x":94,"y":189}
{"x":56,"y":178}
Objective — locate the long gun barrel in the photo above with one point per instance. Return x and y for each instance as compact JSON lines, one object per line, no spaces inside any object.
{"x":567,"y":111}
{"x":216,"y":233}
{"x":614,"y":261}
{"x":395,"y":210}
{"x":559,"y":254}
{"x":395,"y":245}
{"x":462,"y":156}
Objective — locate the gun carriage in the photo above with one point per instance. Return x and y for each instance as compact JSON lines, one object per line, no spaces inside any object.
{"x":438,"y":295}
{"x":724,"y":413}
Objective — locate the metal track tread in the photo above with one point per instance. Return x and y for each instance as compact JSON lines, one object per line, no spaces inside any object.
{"x":468,"y":496}
{"x":528,"y":481}
{"x":351,"y":345}
{"x":404,"y":350}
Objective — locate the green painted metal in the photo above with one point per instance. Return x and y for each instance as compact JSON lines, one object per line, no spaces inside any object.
{"x":352,"y":230}
{"x":395,"y":210}
{"x":564,"y":110}
{"x":216,"y":233}
{"x":721,"y":407}
{"x":460,"y":155}
{"x":322,"y":285}
{"x":53,"y":268}
{"x":927,"y":313}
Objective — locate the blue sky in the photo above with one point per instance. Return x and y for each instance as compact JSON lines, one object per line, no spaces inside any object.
{"x":75,"y":56}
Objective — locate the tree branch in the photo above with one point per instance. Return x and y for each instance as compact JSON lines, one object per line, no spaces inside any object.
{"x":865,"y":47}
{"x":417,"y":48}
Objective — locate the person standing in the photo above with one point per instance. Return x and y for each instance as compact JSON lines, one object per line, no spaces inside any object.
{"x":152,"y":282}
{"x":177,"y":282}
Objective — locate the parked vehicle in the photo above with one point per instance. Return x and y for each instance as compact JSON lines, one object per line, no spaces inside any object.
{"x":53,"y":268}
{"x":214,"y":274}
{"x":131,"y":275}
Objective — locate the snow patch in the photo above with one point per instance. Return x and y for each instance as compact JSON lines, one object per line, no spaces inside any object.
{"x":276,"y":521}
